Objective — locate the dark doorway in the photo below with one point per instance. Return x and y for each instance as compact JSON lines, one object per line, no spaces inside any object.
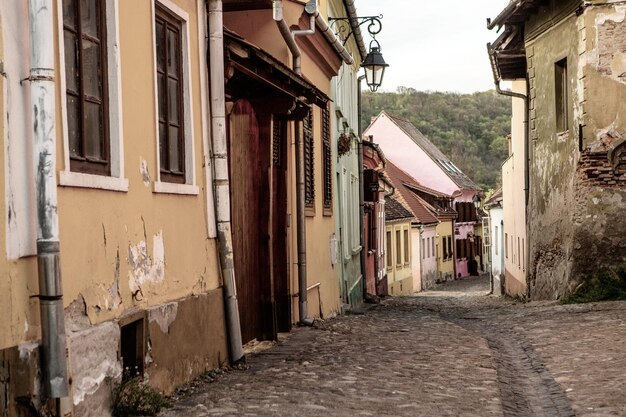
{"x":280,"y":260}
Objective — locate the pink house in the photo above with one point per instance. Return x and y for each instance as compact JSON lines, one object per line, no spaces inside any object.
{"x":406,"y":147}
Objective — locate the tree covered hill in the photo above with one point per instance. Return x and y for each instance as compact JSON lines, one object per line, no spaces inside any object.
{"x":471,"y":129}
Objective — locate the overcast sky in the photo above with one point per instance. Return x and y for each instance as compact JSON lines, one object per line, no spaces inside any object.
{"x":434,"y":45}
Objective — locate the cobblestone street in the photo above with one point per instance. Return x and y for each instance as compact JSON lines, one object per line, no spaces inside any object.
{"x":450,"y":352}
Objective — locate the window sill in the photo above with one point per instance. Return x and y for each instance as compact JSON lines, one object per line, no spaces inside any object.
{"x":100,"y":182}
{"x":174,"y":188}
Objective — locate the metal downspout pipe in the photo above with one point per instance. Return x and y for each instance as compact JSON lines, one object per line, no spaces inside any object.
{"x":42,"y":90}
{"x":221,"y":182}
{"x":290,"y":39}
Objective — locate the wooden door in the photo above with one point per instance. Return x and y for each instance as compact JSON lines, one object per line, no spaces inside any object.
{"x":244,"y":182}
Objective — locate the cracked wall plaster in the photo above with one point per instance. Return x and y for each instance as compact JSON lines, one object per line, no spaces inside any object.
{"x":143,"y":267}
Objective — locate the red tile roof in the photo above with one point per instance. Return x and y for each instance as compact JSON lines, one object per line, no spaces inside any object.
{"x":419,"y":207}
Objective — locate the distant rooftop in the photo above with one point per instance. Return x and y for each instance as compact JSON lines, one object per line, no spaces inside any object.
{"x":455,"y":174}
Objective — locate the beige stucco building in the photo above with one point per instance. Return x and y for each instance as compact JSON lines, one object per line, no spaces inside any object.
{"x":513,"y":201}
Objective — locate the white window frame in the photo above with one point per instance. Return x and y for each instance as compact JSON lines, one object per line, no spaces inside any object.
{"x":189,"y":187}
{"x":116,"y":181}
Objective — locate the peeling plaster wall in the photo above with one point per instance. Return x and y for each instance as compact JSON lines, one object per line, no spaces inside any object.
{"x":95,"y":367}
{"x":578,"y":198}
{"x":553,"y":160}
{"x":200,"y":344}
{"x":140,"y":248}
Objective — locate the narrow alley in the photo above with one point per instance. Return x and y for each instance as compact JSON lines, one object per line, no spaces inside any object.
{"x":454,"y":351}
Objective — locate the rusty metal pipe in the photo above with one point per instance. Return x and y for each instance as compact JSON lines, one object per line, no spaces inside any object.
{"x":221,"y":181}
{"x":42,"y":91}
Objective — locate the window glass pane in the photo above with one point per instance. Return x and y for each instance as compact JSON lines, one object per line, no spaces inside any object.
{"x":71,"y":62}
{"x":89,"y":17}
{"x":91,"y":69}
{"x":69,"y":13}
{"x":173,"y":150}
{"x":173,"y":52}
{"x":162,"y":147}
{"x":398,"y":248}
{"x":406,"y":246}
{"x":93,"y":130}
{"x":173,"y":98}
{"x":162,"y":97}
{"x":160,"y":45}
{"x":73,"y":130}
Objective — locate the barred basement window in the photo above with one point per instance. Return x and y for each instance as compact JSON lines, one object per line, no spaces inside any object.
{"x":327,"y":160}
{"x":84,"y":32}
{"x":170,"y":90}
{"x":309,"y":161}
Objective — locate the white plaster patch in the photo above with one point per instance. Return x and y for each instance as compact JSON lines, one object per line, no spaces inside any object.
{"x":618,"y":16}
{"x":164,"y":315}
{"x":27,"y":349}
{"x":618,"y":66}
{"x":143,"y":170}
{"x":93,"y":358}
{"x":145,"y":268}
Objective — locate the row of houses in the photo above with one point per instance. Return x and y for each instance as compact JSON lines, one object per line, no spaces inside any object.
{"x":182,"y":177}
{"x":432,"y":228}
{"x":558,"y":218}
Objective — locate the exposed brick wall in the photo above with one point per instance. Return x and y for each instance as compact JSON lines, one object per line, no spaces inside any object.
{"x":611,"y":40}
{"x":597,"y":169}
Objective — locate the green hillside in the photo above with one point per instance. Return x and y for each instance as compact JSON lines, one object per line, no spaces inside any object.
{"x":471,"y":129}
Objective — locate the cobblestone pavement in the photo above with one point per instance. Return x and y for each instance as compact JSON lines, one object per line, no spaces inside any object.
{"x":449,"y":352}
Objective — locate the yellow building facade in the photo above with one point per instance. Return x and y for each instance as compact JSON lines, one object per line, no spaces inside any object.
{"x":138,"y":255}
{"x":445,"y":249}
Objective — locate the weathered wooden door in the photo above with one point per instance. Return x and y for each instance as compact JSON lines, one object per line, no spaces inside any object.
{"x":244,"y":176}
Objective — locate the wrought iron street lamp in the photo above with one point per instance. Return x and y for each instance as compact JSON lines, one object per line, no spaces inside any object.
{"x":374,"y":64}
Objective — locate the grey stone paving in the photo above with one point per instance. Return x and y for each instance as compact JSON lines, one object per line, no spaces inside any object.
{"x":449,"y":352}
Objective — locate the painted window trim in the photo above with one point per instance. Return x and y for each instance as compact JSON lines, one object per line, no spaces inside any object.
{"x":189,"y":187}
{"x":116,"y":180}
{"x":100,"y":182}
{"x":175,"y":188}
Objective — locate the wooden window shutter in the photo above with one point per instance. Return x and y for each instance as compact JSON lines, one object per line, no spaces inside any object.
{"x":327,"y":162}
{"x":277,"y":133}
{"x":309,"y":160}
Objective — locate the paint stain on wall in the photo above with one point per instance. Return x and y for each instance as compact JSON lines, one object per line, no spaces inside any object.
{"x":143,"y":267}
{"x":143,"y":170}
